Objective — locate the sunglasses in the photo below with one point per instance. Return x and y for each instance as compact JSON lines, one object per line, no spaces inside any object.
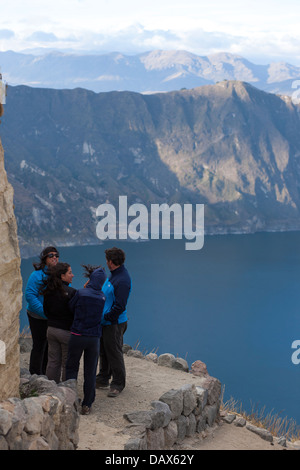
{"x":52,"y":255}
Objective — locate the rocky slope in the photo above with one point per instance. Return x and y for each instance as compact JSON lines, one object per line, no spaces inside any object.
{"x":229,"y":146}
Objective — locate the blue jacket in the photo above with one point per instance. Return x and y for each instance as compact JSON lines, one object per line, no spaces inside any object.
{"x":34,"y":299}
{"x":116,"y":290}
{"x":87,"y":306}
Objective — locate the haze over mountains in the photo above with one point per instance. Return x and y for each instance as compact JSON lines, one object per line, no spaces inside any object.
{"x":230,"y":146}
{"x":145,"y":73}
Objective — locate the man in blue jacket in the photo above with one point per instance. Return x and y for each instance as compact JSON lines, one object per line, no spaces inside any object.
{"x":114,"y":324}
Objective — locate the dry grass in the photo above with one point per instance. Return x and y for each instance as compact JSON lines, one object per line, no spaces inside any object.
{"x":25,"y":333}
{"x":273,"y":422}
{"x":144,"y":351}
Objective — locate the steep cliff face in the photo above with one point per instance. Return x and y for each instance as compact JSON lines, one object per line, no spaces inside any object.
{"x":229,"y":146}
{"x":10,"y":289}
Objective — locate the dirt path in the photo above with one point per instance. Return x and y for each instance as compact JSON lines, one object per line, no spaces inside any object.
{"x":105,"y":427}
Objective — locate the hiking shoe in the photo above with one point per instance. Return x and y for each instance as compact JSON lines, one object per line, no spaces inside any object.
{"x":102,"y":385}
{"x":85,"y":410}
{"x":113,"y":393}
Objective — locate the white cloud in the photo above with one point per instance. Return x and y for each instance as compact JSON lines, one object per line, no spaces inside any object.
{"x":42,"y":36}
{"x":266,"y":30}
{"x":6,"y":34}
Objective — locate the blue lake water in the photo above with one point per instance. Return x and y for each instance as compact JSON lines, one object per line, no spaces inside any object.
{"x":234,"y":305}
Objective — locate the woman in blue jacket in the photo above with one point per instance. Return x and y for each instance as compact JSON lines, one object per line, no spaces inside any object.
{"x":36,"y":316}
{"x":87,"y":306}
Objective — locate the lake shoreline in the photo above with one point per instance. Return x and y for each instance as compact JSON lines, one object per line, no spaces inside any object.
{"x":34,"y":250}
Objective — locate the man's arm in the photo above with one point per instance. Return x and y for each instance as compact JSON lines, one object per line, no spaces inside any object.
{"x":121,"y":292}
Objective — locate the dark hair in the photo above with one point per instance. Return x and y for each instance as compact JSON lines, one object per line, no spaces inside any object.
{"x":43,"y":257}
{"x":89,"y":269}
{"x":53,"y":281}
{"x":116,"y":255}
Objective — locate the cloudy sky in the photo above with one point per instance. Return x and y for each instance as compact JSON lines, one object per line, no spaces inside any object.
{"x":261,"y":31}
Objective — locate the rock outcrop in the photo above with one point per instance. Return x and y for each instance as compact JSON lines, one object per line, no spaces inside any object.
{"x":10,"y":288}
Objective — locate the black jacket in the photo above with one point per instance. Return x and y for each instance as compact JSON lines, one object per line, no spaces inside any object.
{"x":56,"y":308}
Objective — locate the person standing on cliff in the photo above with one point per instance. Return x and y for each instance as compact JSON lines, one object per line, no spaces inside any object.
{"x":114,"y":324}
{"x":57,"y":293}
{"x":87,"y":307}
{"x":36,"y":316}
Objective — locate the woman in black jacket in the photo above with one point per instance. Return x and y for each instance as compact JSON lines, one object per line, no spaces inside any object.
{"x":57,"y":294}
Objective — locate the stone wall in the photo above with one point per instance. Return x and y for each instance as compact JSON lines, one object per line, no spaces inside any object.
{"x":10,"y":289}
{"x":46,"y":417}
{"x":178,"y":413}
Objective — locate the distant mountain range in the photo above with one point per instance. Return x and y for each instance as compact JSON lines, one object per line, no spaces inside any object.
{"x":149,"y":72}
{"x":230,"y":146}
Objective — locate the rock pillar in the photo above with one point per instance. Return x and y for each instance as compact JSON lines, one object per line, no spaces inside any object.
{"x":10,"y":289}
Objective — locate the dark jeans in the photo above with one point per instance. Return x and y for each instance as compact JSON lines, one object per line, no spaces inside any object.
{"x":39,"y":352}
{"x":89,"y":347}
{"x":111,"y":356}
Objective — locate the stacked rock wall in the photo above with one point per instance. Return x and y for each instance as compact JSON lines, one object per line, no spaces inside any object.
{"x":179,"y":413}
{"x":10,"y":289}
{"x":176,"y":415}
{"x":46,"y":417}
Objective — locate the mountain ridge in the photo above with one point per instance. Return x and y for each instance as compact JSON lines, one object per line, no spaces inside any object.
{"x":229,"y":146}
{"x":147,"y":72}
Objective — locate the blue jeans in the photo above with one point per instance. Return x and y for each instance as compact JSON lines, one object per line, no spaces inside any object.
{"x":89,"y":346}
